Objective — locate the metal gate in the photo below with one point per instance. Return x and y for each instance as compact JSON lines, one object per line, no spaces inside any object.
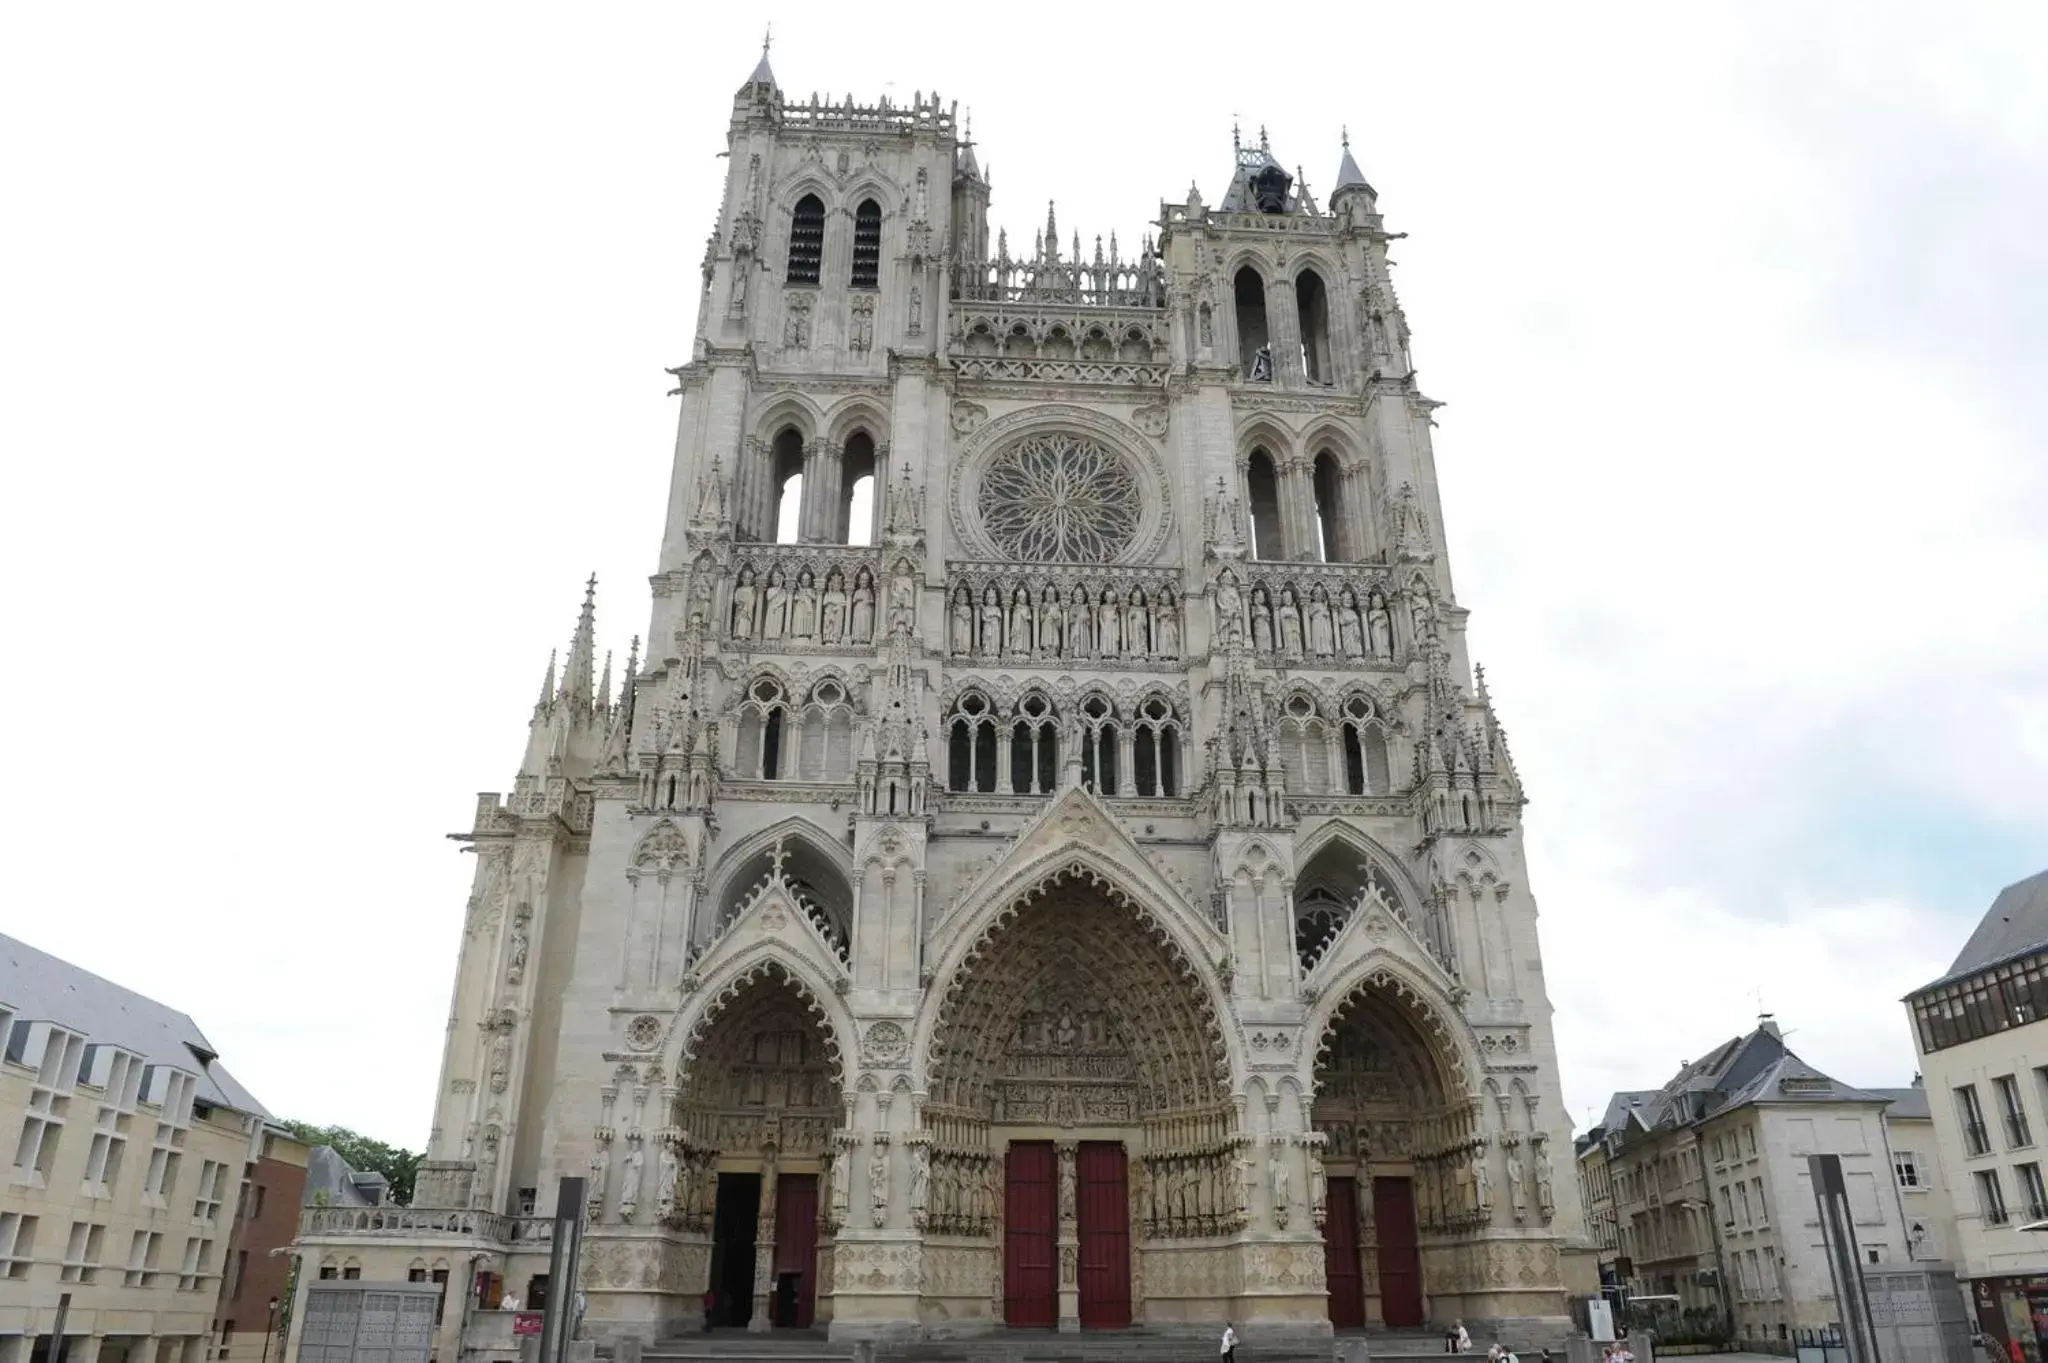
{"x":356,"y":1322}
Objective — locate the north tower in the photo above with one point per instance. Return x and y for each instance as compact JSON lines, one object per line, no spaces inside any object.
{"x":1056,"y":864}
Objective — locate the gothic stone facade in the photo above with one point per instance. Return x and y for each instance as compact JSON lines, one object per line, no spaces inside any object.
{"x":1087,"y":890}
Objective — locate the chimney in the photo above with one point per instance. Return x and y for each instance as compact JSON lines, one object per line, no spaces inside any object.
{"x":1768,"y":1022}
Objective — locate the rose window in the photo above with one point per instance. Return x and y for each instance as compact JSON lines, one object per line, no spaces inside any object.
{"x":1060,"y":499}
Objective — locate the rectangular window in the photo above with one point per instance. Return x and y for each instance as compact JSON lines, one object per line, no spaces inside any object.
{"x":256,"y":1207}
{"x":238,"y":1268}
{"x":142,"y":1258}
{"x":1976,"y":1137}
{"x":1906,"y":1168}
{"x":2035,"y":1191}
{"x":2012,"y":1112}
{"x":82,"y":1253}
{"x":17,"y":1244}
{"x":1763,"y":1217}
{"x":206,"y":1207}
{"x":42,"y":1126}
{"x":161,"y":1183}
{"x":1990,"y":1197}
{"x":351,"y":1273}
{"x":1742,"y":1201}
{"x":327,"y":1272}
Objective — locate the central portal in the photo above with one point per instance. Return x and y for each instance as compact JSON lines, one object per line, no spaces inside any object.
{"x":1079,"y":1056}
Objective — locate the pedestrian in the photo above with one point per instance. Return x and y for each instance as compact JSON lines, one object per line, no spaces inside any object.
{"x":1461,"y":1340}
{"x":1229,"y":1343}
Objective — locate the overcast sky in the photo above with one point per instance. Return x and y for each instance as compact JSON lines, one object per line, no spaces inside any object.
{"x":331,"y":350}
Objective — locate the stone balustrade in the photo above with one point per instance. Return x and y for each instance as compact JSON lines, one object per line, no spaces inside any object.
{"x":427,"y":1223}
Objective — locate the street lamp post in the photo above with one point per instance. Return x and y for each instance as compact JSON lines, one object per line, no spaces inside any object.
{"x":269,"y":1326}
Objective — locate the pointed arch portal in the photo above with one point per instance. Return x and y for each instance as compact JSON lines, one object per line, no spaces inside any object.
{"x":747,"y":1160}
{"x":1077,"y":1063}
{"x":1398,"y":1131}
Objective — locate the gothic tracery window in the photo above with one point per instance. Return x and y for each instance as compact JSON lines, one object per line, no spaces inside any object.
{"x":867,"y":245}
{"x":1304,"y":747}
{"x":1034,"y":747}
{"x":1155,"y":749}
{"x":806,"y":239}
{"x":1262,"y":494}
{"x":1059,"y":498}
{"x":1099,"y":750}
{"x":1365,"y":749}
{"x":763,"y":717}
{"x":971,"y":745}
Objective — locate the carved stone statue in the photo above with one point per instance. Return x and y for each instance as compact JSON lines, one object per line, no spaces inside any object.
{"x":1077,"y":631}
{"x":1546,"y":1199}
{"x":903,"y":598}
{"x":1518,"y":1193}
{"x":516,"y":966}
{"x":1283,"y":1199}
{"x":1350,"y":628}
{"x":1262,"y":622}
{"x":878,"y":1179}
{"x":773,"y":619}
{"x":1020,"y":622}
{"x":832,"y":614}
{"x":961,"y":633}
{"x":803,"y":607}
{"x":920,"y":1180}
{"x":665,"y":1185}
{"x":1482,"y":1183}
{"x":842,"y":1185}
{"x":743,"y":594}
{"x":1109,"y":626}
{"x":629,"y":1180}
{"x":991,"y":624}
{"x":1068,"y":1203}
{"x":1290,"y":623}
{"x":1321,"y":641}
{"x":1229,"y":609}
{"x":593,"y":1195}
{"x":1137,"y":625}
{"x":1166,"y":627}
{"x":1049,"y":623}
{"x":862,"y":629}
{"x":1248,"y":1183}
{"x":1318,"y":1186}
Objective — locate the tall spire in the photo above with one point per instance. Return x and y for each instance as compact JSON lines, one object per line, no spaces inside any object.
{"x":578,"y":682}
{"x":547,"y":684}
{"x":762,"y":75}
{"x":1349,"y":176}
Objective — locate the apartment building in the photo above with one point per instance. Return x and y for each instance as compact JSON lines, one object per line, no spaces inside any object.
{"x":129,"y":1146}
{"x":1704,"y":1183}
{"x":1983,"y":1050}
{"x":256,"y":1281}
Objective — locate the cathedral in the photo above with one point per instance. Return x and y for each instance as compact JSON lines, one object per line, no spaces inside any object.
{"x":1055,"y":864}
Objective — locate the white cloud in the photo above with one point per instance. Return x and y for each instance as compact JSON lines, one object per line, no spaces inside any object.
{"x":333,"y":351}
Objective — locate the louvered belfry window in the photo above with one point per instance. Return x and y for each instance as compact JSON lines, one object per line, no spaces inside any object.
{"x":806,"y":239}
{"x":867,"y":245}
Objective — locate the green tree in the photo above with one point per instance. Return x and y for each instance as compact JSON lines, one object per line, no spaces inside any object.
{"x":365,"y":1155}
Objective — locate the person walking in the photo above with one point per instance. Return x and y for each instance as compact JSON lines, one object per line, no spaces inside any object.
{"x":1229,"y":1343}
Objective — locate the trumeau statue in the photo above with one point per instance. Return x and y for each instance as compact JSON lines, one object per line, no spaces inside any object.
{"x":1021,"y":621}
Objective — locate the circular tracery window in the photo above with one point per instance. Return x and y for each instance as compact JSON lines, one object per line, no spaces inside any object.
{"x":1056,"y":498}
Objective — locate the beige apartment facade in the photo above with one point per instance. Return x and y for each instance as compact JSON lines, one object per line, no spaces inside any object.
{"x":129,"y":1142}
{"x":1076,"y":882}
{"x":1705,"y":1185}
{"x":1983,"y":1050}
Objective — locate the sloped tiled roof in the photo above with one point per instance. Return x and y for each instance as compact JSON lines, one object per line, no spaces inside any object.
{"x":1908,"y":1104}
{"x":2014,"y":925}
{"x":42,"y":988}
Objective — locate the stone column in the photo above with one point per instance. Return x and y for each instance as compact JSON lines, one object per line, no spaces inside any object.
{"x":1283,"y":331}
{"x":86,"y":1350}
{"x":1004,"y":736}
{"x":1069,"y":1238}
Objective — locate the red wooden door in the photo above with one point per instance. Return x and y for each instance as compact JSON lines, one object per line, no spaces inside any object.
{"x":1340,"y":1255}
{"x":796,"y":1240}
{"x":1393,"y":1214}
{"x":1105,"y":1229}
{"x":1031,"y":1275}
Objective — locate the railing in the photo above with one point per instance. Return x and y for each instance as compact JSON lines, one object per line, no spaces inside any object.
{"x":1976,"y":1139}
{"x":883,"y":117}
{"x":1023,"y":370}
{"x":1111,"y":285}
{"x":427,"y":1223}
{"x":1297,"y":223}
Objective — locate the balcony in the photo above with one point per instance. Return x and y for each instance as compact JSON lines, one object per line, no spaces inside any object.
{"x":1976,"y":1138}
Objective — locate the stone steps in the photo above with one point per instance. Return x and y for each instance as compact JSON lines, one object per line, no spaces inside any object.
{"x":1136,"y":1345}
